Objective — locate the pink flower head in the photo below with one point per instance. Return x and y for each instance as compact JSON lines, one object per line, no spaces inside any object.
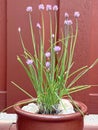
{"x":55,"y":8}
{"x":76,"y":14}
{"x":52,"y":35}
{"x":41,"y":7}
{"x":29,"y":62}
{"x":57,"y":48}
{"x":29,"y":9}
{"x":68,"y":22}
{"x":48,"y":7}
{"x":66,"y":15}
{"x":38,"y":25}
{"x":47,"y":54}
{"x":19,"y":29}
{"x":47,"y":64}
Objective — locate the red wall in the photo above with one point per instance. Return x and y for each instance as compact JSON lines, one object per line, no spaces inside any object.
{"x":15,"y":19}
{"x":87,"y":46}
{"x":2,"y":53}
{"x":86,"y":51}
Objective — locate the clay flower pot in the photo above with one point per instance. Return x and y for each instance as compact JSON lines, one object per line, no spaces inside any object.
{"x":30,"y":121}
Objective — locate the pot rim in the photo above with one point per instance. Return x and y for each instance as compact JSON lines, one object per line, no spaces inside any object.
{"x":48,"y":117}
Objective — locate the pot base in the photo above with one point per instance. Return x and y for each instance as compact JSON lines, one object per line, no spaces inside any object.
{"x":30,"y":124}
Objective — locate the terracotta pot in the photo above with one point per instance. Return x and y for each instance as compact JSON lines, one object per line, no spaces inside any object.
{"x":30,"y":121}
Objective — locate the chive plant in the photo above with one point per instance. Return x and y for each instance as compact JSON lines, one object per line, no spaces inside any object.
{"x":51,"y":70}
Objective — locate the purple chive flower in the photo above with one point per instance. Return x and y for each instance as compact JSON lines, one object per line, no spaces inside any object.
{"x":68,"y":22}
{"x":55,"y":8}
{"x":47,"y":54}
{"x":19,"y":29}
{"x":47,"y":64}
{"x":29,"y":9}
{"x":41,"y":7}
{"x":48,"y":7}
{"x":66,"y":15}
{"x":76,"y":14}
{"x":38,"y":25}
{"x":29,"y":62}
{"x":57,"y":48}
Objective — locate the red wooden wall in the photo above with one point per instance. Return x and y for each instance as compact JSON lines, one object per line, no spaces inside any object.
{"x":87,"y":46}
{"x":2,"y":54}
{"x":86,"y":51}
{"x":15,"y":19}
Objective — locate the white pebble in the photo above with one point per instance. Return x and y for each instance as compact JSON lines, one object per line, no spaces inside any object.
{"x":65,"y":107}
{"x":32,"y":107}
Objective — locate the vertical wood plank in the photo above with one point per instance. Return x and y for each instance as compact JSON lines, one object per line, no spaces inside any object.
{"x":2,"y":44}
{"x":93,"y":75}
{"x":2,"y":54}
{"x":86,"y":49}
{"x":18,"y":17}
